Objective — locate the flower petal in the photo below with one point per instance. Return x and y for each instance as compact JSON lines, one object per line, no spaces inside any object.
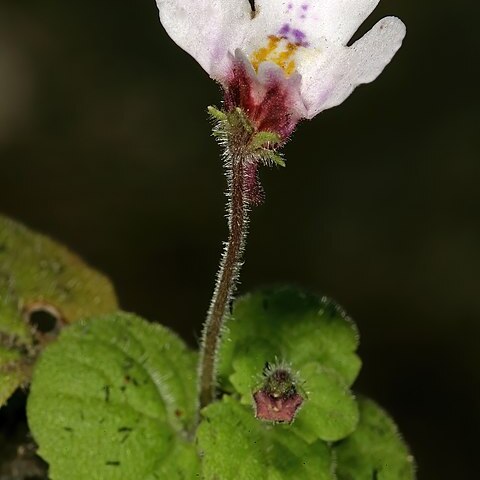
{"x":207,"y":29}
{"x":311,"y":20}
{"x":344,"y":17}
{"x":332,"y":73}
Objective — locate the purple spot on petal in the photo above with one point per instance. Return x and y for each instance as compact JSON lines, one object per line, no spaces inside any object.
{"x":303,"y":16}
{"x":305,"y":6}
{"x":299,"y":35}
{"x":290,"y":6}
{"x":285,"y":29}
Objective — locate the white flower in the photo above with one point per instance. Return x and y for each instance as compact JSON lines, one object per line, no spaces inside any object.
{"x":304,"y":37}
{"x":307,"y":37}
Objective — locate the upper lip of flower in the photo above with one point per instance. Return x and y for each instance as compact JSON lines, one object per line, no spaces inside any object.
{"x":308,"y":37}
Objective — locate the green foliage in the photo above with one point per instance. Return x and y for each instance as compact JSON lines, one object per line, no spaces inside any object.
{"x":121,"y":394}
{"x":375,"y":450}
{"x":286,"y":323}
{"x":38,"y":274}
{"x":314,"y":336}
{"x":234,"y":445}
{"x":114,"y":398}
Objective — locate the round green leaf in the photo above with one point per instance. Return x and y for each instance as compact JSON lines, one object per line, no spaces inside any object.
{"x":38,"y":274}
{"x":234,"y":445}
{"x":112,"y":399}
{"x":287,"y":324}
{"x":375,"y":451}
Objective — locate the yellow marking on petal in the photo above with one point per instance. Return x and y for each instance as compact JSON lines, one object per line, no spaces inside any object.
{"x":284,"y":59}
{"x":277,"y":51}
{"x":263,"y":54}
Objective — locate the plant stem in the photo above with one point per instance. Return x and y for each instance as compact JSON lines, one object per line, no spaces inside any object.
{"x":236,"y":164}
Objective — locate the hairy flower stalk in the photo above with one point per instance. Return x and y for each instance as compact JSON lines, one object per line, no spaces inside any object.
{"x":245,"y":148}
{"x":236,"y":164}
{"x":278,"y":62}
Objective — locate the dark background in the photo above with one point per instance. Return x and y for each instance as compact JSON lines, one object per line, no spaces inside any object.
{"x":104,"y":145}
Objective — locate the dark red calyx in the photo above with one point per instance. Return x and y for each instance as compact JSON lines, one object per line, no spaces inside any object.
{"x":278,"y":400}
{"x":270,"y":101}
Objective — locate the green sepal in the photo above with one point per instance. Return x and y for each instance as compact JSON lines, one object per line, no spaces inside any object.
{"x":217,"y":114}
{"x":239,"y":117}
{"x":264,"y":139}
{"x":269,"y":156}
